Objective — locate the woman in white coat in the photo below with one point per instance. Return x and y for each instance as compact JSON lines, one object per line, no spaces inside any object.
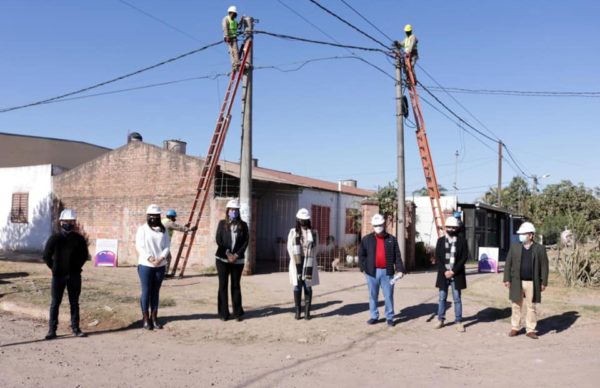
{"x":302,"y":247}
{"x":152,"y":243}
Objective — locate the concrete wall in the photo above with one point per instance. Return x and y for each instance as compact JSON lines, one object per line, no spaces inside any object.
{"x":37,"y":181}
{"x":111,"y":194}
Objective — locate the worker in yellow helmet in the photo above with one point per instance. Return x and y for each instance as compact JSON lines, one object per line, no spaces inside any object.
{"x":230,"y":32}
{"x":409,"y":44}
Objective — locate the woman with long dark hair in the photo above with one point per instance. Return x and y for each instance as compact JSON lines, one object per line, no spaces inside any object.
{"x":302,"y":247}
{"x":152,"y":243}
{"x":232,"y":240}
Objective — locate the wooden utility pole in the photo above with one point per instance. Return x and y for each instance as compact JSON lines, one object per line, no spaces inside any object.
{"x":400,"y":225}
{"x":499,"y":173}
{"x":246,"y":152}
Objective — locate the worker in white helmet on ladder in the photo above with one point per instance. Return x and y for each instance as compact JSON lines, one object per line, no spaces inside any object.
{"x":230,"y":32}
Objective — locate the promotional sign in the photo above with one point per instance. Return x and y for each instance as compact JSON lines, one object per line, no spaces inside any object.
{"x":106,"y":252}
{"x":488,"y":259}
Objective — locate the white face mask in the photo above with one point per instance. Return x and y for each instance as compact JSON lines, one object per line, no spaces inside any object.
{"x":378,"y":229}
{"x":523,"y":238}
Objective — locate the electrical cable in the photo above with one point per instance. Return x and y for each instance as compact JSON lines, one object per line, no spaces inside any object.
{"x":348,"y":23}
{"x":290,"y":37}
{"x":366,"y":20}
{"x":518,"y":93}
{"x":155,"y":18}
{"x":4,"y":110}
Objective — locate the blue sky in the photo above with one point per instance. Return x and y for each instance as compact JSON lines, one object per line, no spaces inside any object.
{"x":332,"y":119}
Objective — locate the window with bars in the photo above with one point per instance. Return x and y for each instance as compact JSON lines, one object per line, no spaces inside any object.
{"x":19,"y":208}
{"x":320,"y":220}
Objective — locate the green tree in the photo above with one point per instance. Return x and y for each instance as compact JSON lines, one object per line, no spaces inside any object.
{"x":388,"y":200}
{"x":515,"y":197}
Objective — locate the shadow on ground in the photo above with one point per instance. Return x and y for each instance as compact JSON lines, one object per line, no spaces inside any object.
{"x":488,"y":314}
{"x":557,"y":323}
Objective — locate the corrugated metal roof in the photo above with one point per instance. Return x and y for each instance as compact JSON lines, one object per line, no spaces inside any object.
{"x":268,"y":175}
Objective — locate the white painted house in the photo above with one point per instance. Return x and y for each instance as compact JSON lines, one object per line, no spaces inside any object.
{"x":26,"y":206}
{"x":424,"y":225}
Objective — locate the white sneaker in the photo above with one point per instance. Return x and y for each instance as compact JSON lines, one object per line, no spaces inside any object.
{"x":460,"y":327}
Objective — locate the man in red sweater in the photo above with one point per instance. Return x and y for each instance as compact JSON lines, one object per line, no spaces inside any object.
{"x":379,"y":259}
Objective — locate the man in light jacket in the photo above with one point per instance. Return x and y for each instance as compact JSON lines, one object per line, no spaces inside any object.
{"x":379,"y":259}
{"x":526,"y":276}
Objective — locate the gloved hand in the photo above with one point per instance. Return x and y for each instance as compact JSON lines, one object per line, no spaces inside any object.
{"x":193,"y":228}
{"x":397,"y":44}
{"x":226,"y":39}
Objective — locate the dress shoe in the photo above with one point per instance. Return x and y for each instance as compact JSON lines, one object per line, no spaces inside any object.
{"x":513,"y":333}
{"x":532,"y":335}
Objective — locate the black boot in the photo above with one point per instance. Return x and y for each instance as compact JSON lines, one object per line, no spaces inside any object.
{"x":307,"y":303}
{"x":147,"y":324}
{"x":155,"y":320}
{"x":298,"y":303}
{"x":51,"y":334}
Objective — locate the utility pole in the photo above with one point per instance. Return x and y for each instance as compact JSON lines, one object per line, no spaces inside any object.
{"x":400,"y":225}
{"x":499,"y":173}
{"x":246,"y":152}
{"x":454,"y":185}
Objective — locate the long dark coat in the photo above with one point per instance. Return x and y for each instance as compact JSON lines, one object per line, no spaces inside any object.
{"x":512,"y":271}
{"x":462,"y":254}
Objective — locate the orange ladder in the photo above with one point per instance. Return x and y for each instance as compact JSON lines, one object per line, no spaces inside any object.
{"x":211,"y":161}
{"x":430,"y":178}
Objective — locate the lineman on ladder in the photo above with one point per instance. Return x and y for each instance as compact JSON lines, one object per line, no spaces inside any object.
{"x":230,"y":31}
{"x":409,"y":44}
{"x":171,"y":225}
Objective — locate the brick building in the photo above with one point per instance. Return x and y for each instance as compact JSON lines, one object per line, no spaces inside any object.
{"x":111,"y":193}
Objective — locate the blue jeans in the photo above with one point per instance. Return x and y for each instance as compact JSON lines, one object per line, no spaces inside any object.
{"x":150,"y":279}
{"x":457,"y":302}
{"x":382,"y":280}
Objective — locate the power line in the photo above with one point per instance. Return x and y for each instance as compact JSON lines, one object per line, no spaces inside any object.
{"x":519,"y":93}
{"x":366,"y":20}
{"x":112,"y":80}
{"x":458,"y":102}
{"x":155,"y":18}
{"x":348,"y":23}
{"x":290,"y":37}
{"x":215,"y":76}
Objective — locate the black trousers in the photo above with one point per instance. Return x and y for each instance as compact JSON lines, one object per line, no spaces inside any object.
{"x":226,"y":271}
{"x":73,"y":286}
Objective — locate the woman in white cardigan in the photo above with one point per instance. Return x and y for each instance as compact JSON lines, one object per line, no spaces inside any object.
{"x":152,"y":244}
{"x":302,"y":247}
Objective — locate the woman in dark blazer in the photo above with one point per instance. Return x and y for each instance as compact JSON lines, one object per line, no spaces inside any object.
{"x":451,"y":254}
{"x":232,"y":239}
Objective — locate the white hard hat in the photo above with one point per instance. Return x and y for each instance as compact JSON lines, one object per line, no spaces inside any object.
{"x":153,"y":209}
{"x":377,"y":220}
{"x":232,"y":9}
{"x":303,"y":214}
{"x":452,"y":222}
{"x":68,"y":215}
{"x":526,"y":227}
{"x":233,"y":204}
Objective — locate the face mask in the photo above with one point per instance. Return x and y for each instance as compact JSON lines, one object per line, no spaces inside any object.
{"x":451,"y":232}
{"x":233,"y":214}
{"x":523,"y":238}
{"x":378,"y":229}
{"x":304,"y":223}
{"x":67,"y":227}
{"x":153,"y":221}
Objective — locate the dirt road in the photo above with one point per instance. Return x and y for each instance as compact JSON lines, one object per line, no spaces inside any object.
{"x":269,"y":348}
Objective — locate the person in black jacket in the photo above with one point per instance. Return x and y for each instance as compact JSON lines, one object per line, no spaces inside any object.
{"x":232,"y":240}
{"x":379,"y":258}
{"x":451,"y":254}
{"x":65,"y":254}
